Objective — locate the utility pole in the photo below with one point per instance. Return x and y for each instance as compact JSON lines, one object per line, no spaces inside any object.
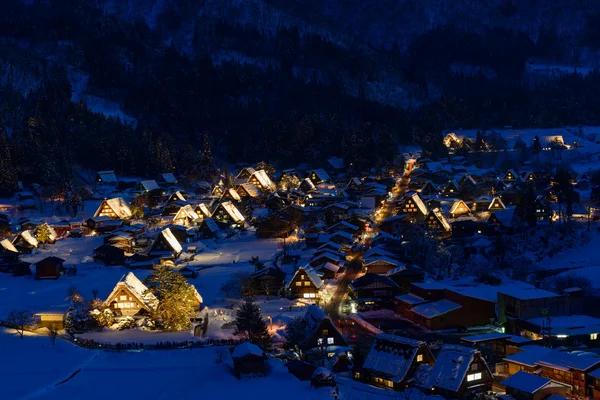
{"x":547,"y":328}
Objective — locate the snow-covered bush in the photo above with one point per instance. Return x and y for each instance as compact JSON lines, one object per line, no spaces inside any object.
{"x":146,"y":323}
{"x":322,"y":377}
{"x":103,"y":318}
{"x":126,"y":323}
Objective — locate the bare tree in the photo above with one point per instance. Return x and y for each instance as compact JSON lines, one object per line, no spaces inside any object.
{"x":20,"y":320}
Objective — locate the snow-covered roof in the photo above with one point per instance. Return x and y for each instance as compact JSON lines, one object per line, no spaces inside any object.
{"x":138,"y":289}
{"x":233,"y":212}
{"x":485,"y":337}
{"x":321,"y":174}
{"x":149,"y":185}
{"x":438,"y":214}
{"x":336,"y":162}
{"x":456,"y":205}
{"x":386,"y":260}
{"x":107,"y":176}
{"x":411,"y":299}
{"x":119,"y":207}
{"x":451,"y":366}
{"x":246,"y":349}
{"x":264,"y":179}
{"x":497,"y":204}
{"x":312,"y":275}
{"x":330,"y":266}
{"x":211,"y":224}
{"x":392,"y":356}
{"x":570,"y":325}
{"x":8,"y":246}
{"x":248,"y":170}
{"x":177,"y":196}
{"x":526,"y":293}
{"x":541,"y":356}
{"x":233,"y":194}
{"x":435,"y":308}
{"x":419,"y":202}
{"x":525,"y":382}
{"x":342,"y":224}
{"x":251,"y":189}
{"x":29,"y":238}
{"x":204,"y":210}
{"x":170,"y":238}
{"x":169,"y":178}
{"x":186,"y":212}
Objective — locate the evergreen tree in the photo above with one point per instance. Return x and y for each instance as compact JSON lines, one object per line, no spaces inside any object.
{"x":296,"y":332}
{"x":8,"y":176}
{"x":207,"y":163}
{"x":176,"y":299}
{"x":250,"y":325}
{"x":43,"y":233}
{"x":269,"y":169}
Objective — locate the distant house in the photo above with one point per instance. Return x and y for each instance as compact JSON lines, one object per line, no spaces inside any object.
{"x":249,"y":190}
{"x":307,"y":185}
{"x":527,"y":303}
{"x":414,"y":206}
{"x":343,"y":226}
{"x":109,"y":255}
{"x":48,"y":268}
{"x":202,"y":211}
{"x":381,"y":265}
{"x":165,"y":245}
{"x":459,"y":207}
{"x":208,"y":228}
{"x":130,"y":297}
{"x":8,"y":252}
{"x":115,"y":208}
{"x":510,"y":176}
{"x":451,"y":189}
{"x":526,"y":386}
{"x":167,"y":179}
{"x":267,"y":281}
{"x":437,"y":221}
{"x":305,"y":283}
{"x":176,"y":197}
{"x":322,"y":336}
{"x":496,"y":204}
{"x":429,"y":189}
{"x":227,"y":213}
{"x":230,"y":195}
{"x":437,"y":315}
{"x":186,"y":216}
{"x":106,"y":177}
{"x":458,"y":372}
{"x":393,"y":360}
{"x":371,"y":289}
{"x":318,"y":175}
{"x":147,"y":186}
{"x":248,"y":360}
{"x":261,"y":180}
{"x":244,"y":175}
{"x":25,"y":242}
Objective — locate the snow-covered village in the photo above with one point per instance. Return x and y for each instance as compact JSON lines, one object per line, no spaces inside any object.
{"x":471,"y":277}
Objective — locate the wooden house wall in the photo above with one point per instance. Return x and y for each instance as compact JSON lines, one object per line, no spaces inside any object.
{"x":125,"y":302}
{"x":302,"y":285}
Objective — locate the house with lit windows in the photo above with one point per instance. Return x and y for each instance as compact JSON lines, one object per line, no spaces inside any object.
{"x":305,"y":284}
{"x":437,"y":221}
{"x":323,"y":339}
{"x":228,"y":213}
{"x":459,"y":372}
{"x":130,"y":297}
{"x":115,"y":208}
{"x":165,"y":245}
{"x":393,"y":360}
{"x":414,"y":206}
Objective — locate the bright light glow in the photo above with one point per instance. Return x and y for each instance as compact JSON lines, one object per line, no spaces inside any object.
{"x":562,"y":336}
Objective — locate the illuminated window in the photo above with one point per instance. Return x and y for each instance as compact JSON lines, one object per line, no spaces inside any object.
{"x":298,"y":283}
{"x":302,"y":276}
{"x":329,"y":340}
{"x":325,"y":332}
{"x":594,"y":336}
{"x":320,"y":341}
{"x":357,"y":375}
{"x":309,"y":295}
{"x":122,"y":297}
{"x":473,"y":377}
{"x":306,"y":283}
{"x":419,"y":357}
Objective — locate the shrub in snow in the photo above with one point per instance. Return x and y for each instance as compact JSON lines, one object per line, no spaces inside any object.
{"x":126,"y":323}
{"x":322,"y":377}
{"x":146,"y":323}
{"x":78,"y":320}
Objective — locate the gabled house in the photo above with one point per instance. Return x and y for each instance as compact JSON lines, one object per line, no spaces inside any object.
{"x":186,"y":216}
{"x":288,"y":179}
{"x":8,"y":252}
{"x":371,"y":289}
{"x":230,"y":195}
{"x":106,"y":177}
{"x":437,"y":221}
{"x":458,"y":372}
{"x":328,"y":270}
{"x":244,"y":175}
{"x":307,"y":186}
{"x":109,"y":254}
{"x":147,"y":186}
{"x":482,"y":203}
{"x":414,"y":206}
{"x":322,"y":336}
{"x":49,"y":268}
{"x":115,"y":208}
{"x":510,"y":176}
{"x":305,"y":283}
{"x":528,"y":176}
{"x":173,"y":207}
{"x":526,"y":386}
{"x":393,"y":360}
{"x":343,"y":226}
{"x":167,"y":179}
{"x":165,"y":245}
{"x":208,"y":228}
{"x":496,"y":204}
{"x":25,"y":242}
{"x":429,"y":189}
{"x":131,"y":298}
{"x":267,"y":281}
{"x":380,"y":265}
{"x":459,"y":207}
{"x":249,"y":190}
{"x":176,"y":197}
{"x":451,"y":189}
{"x":227,"y":213}
{"x":341,"y":237}
{"x":318,"y":175}
{"x":202,"y":211}
{"x":261,"y":180}
{"x":327,"y":256}
{"x":218,"y":191}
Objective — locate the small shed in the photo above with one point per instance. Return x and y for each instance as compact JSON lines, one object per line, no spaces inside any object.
{"x":248,"y":360}
{"x":49,"y":268}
